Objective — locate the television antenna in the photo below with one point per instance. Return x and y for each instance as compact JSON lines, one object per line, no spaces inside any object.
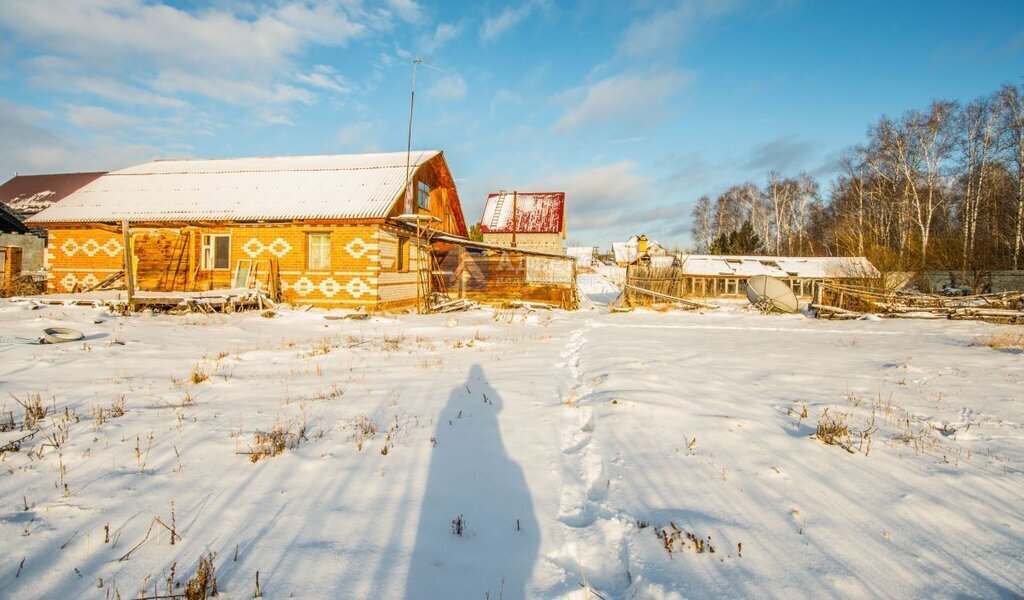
{"x":416,"y":62}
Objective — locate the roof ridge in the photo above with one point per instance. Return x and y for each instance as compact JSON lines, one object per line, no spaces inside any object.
{"x":229,"y":171}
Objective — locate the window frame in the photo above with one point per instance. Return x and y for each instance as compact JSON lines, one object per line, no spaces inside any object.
{"x":310,"y":235}
{"x":423,"y":190}
{"x":401,"y":248}
{"x":209,"y":254}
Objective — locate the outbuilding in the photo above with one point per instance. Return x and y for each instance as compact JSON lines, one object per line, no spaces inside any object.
{"x":726,"y":275}
{"x":528,"y":220}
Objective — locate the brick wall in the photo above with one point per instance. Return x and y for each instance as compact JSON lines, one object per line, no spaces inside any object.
{"x":350,"y":281}
{"x":171,"y":260}
{"x":79,"y":258}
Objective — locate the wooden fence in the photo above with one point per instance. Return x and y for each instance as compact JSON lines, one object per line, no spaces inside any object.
{"x":501,"y":277}
{"x":647,"y":285}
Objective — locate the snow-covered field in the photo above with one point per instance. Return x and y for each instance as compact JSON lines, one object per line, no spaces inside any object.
{"x":586,"y":454}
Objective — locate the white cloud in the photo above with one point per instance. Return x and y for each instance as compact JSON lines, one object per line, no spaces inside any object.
{"x":407,"y":10}
{"x":319,"y":22}
{"x":495,"y":26}
{"x":359,"y":137}
{"x":224,"y":52}
{"x":668,"y":28}
{"x":595,"y":192}
{"x":31,"y":147}
{"x":326,"y":78}
{"x":448,"y":87}
{"x":443,"y":33}
{"x":234,"y":91}
{"x":61,"y":74}
{"x":614,"y":200}
{"x":97,"y":117}
{"x":504,"y":97}
{"x":638,"y":96}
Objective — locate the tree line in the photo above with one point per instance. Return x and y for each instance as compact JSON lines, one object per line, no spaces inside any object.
{"x":937,"y":188}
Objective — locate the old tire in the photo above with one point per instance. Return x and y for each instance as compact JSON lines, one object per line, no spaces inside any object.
{"x":60,"y":335}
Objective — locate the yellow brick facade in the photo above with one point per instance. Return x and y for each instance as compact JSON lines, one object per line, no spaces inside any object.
{"x":76,"y":259}
{"x":79,"y":258}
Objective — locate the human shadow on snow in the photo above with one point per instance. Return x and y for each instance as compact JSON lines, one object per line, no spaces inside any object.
{"x":471,"y":476}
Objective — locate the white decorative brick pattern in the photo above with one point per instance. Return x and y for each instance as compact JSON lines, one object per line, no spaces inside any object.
{"x":255,"y":247}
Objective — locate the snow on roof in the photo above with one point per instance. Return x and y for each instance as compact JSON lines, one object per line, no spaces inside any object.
{"x":779,"y":266}
{"x":625,"y":252}
{"x":26,"y":195}
{"x":9,"y":222}
{"x":536,"y":212}
{"x":584,"y":255}
{"x":243,"y":189}
{"x":578,"y":251}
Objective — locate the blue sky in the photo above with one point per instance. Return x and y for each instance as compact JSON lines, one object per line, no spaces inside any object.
{"x":635,"y":109}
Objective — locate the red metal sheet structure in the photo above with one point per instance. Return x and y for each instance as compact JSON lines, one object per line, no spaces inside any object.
{"x":534,"y":212}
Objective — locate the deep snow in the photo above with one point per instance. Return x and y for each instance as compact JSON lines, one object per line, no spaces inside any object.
{"x":569,"y":443}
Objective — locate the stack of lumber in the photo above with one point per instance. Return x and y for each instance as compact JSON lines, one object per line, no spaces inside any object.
{"x":845,"y":301}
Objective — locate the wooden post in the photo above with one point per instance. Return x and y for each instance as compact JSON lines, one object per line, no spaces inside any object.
{"x":10,"y":265}
{"x":129,"y":271}
{"x":461,"y":269}
{"x":420,"y":301}
{"x":515,"y":216}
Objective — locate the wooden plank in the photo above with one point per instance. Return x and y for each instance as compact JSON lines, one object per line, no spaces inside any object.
{"x":129,"y":270}
{"x":667,"y":297}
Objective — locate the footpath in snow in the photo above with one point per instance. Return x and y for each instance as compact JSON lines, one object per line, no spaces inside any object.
{"x":497,"y":454}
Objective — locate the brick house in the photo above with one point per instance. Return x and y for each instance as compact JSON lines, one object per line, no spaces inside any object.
{"x":328,"y":225}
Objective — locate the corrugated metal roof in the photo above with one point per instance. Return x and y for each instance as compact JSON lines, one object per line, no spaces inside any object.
{"x":536,"y":212}
{"x":779,"y":266}
{"x":26,"y":195}
{"x":353,"y":186}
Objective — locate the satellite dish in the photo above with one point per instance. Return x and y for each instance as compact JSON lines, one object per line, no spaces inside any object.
{"x":771,"y":294}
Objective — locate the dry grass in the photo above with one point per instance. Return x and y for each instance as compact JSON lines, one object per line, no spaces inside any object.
{"x":364,"y":429}
{"x":33,"y":411}
{"x":832,"y":430}
{"x":675,"y":539}
{"x":1005,"y":339}
{"x":203,"y":584}
{"x":328,"y":394}
{"x":281,"y":437}
{"x":101,"y":415}
{"x":198,"y":374}
{"x":320,"y":347}
{"x":392,"y":343}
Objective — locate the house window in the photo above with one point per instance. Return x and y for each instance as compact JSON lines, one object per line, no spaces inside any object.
{"x":401,"y":261}
{"x":423,"y":195}
{"x":392,"y":252}
{"x":216,"y":252}
{"x":318,"y":247}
